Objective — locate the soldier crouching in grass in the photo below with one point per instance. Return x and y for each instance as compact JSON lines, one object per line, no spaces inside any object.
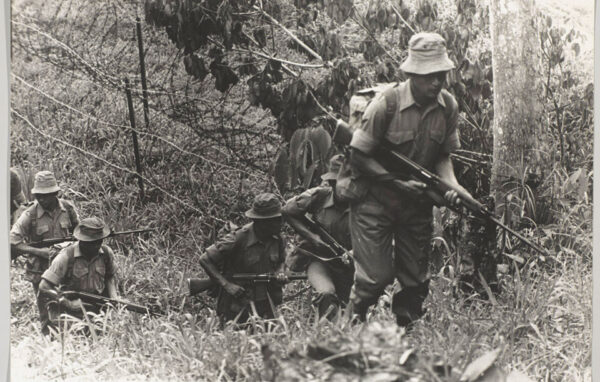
{"x":85,"y":266}
{"x":257,"y":247}
{"x":49,"y":217}
{"x":329,"y":275}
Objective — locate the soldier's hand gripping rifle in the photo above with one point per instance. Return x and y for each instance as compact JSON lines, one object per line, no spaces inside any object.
{"x":199,"y":285}
{"x":436,"y":186}
{"x":336,"y":248}
{"x":91,"y":299}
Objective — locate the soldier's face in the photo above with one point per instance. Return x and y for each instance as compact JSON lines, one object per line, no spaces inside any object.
{"x":47,"y":201}
{"x":90,"y":248}
{"x":428,"y":86}
{"x":268,"y":227}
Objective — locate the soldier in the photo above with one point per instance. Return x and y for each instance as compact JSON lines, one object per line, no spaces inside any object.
{"x":85,"y":266}
{"x":255,"y":248}
{"x":48,"y":217}
{"x":391,"y":222}
{"x":331,"y":278}
{"x":17,"y":198}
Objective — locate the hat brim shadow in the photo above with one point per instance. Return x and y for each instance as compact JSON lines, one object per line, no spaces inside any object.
{"x":77,"y":234}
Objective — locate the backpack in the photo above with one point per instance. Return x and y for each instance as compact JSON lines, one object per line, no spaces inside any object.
{"x":349,"y":187}
{"x":364,"y":97}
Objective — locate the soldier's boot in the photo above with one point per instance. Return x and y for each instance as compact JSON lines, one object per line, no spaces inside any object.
{"x":355,"y":312}
{"x":407,"y":304}
{"x":328,"y":305}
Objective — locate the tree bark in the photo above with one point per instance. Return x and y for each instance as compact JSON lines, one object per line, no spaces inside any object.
{"x":517,"y":108}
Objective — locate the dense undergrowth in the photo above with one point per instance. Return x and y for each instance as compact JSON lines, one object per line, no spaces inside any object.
{"x":198,"y":176}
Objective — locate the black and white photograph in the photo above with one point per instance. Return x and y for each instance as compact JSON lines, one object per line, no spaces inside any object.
{"x":301,"y":190}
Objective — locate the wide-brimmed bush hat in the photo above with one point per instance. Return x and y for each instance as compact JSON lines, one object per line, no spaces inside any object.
{"x":335,"y":163}
{"x":91,"y":229}
{"x":265,"y":206}
{"x":427,"y":54}
{"x":44,"y":183}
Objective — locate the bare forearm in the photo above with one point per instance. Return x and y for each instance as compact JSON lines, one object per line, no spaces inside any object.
{"x":111,"y":286}
{"x":23,"y":248}
{"x":46,"y":286}
{"x":367,"y":165}
{"x":445,"y":170}
{"x":212,"y":271}
{"x":300,"y":228}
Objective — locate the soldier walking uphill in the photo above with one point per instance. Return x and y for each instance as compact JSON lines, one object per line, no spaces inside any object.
{"x":391,"y":220}
{"x":48,"y":217}
{"x":85,"y":266}
{"x":257,"y":247}
{"x":329,"y":276}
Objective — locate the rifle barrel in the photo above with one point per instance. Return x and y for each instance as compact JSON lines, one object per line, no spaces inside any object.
{"x":343,"y":135}
{"x":519,"y":236}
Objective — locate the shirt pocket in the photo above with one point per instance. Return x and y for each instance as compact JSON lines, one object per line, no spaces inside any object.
{"x":42,"y":229}
{"x":274,"y":255}
{"x":80,"y":269}
{"x":251,"y":259}
{"x":100,"y":268}
{"x":437,"y":133}
{"x":100,"y":277}
{"x":65,"y":223}
{"x":398,"y":137}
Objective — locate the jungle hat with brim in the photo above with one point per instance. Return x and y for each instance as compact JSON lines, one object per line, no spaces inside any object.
{"x":91,"y":229}
{"x":427,"y":54}
{"x":265,"y":206}
{"x":335,"y":163}
{"x":44,"y":183}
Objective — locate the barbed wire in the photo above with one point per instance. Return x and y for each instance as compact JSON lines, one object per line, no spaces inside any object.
{"x":162,"y":139}
{"x":108,"y":163}
{"x":68,"y":49}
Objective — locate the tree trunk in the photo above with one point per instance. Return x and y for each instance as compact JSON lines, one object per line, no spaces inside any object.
{"x":517,"y":108}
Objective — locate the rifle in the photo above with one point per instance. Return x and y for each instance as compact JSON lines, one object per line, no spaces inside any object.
{"x":199,"y":285}
{"x":336,"y":248}
{"x":436,"y":187}
{"x":91,"y":299}
{"x":51,"y":242}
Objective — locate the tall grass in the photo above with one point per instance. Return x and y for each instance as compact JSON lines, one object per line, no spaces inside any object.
{"x":540,"y":319}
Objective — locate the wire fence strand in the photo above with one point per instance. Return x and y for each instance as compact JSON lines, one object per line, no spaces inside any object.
{"x":142,"y":133}
{"x":115,"y":166}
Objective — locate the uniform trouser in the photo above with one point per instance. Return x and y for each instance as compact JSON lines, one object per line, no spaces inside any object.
{"x":42,"y":308}
{"x":262,"y":307}
{"x":35,"y":277}
{"x":390,"y":241}
{"x":332,"y":281}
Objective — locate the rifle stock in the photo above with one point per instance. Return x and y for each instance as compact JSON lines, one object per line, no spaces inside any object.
{"x":96,"y":300}
{"x":437,"y":187}
{"x":199,"y":285}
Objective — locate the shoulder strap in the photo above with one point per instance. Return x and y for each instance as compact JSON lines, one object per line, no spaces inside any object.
{"x":70,"y":260}
{"x":391,"y":103}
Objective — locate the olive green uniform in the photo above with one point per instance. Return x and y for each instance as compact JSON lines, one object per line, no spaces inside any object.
{"x":75,"y":272}
{"x":36,"y":224}
{"x":391,"y":230}
{"x":330,"y":279}
{"x":243,"y":252}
